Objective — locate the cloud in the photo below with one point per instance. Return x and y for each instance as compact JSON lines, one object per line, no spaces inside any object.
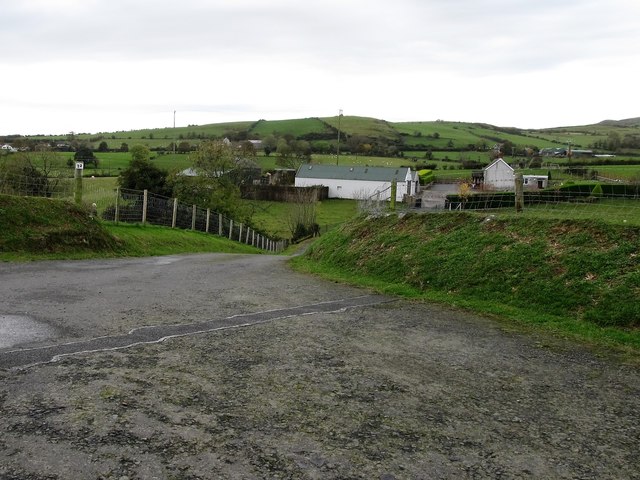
{"x":391,"y":59}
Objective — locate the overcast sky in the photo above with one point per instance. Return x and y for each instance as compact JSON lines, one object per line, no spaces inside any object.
{"x":106,"y":65}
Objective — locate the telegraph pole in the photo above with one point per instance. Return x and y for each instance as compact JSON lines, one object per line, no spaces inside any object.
{"x":174,"y":132}
{"x":338,"y":149}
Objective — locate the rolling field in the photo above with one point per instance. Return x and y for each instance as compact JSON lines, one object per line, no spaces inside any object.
{"x":460,"y":134}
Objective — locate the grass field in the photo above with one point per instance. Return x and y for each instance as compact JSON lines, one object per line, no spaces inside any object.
{"x":368,"y":127}
{"x":297,"y":128}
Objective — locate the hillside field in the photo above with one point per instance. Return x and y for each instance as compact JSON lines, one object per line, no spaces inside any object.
{"x":420,"y":135}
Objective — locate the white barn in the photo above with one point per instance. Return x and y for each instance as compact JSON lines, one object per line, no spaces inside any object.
{"x":499,"y":176}
{"x":359,"y":182}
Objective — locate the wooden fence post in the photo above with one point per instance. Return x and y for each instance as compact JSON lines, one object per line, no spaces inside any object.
{"x":116,"y":216}
{"x":220,"y":224}
{"x":193,"y":218}
{"x":174,"y":219}
{"x":78,"y":182}
{"x":230,"y":228}
{"x":240,"y":234}
{"x":519,"y":192}
{"x":145,"y":201}
{"x":208,"y":219}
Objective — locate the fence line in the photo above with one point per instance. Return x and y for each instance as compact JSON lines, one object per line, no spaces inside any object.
{"x":611,"y":207}
{"x":135,"y":206}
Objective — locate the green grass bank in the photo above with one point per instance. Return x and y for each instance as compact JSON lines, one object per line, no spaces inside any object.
{"x":578,"y":278}
{"x":41,"y":229}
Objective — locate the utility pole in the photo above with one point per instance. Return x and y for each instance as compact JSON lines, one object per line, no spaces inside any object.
{"x":338,"y":148}
{"x":174,"y":132}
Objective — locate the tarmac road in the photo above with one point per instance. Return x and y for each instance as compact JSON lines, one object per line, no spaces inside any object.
{"x":60,"y":302}
{"x":233,"y":366}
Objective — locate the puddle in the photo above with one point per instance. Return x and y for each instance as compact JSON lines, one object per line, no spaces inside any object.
{"x":16,"y":330}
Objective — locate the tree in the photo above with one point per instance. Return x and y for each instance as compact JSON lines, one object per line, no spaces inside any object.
{"x":247,"y":149}
{"x":213,"y":187}
{"x":302,"y":150}
{"x":32,"y":173}
{"x":141,"y":174}
{"x":103,"y":147}
{"x":184,"y":147}
{"x":269,"y":144}
{"x":302,"y":217}
{"x":85,"y":154}
{"x":214,"y":158}
{"x":140,"y":153}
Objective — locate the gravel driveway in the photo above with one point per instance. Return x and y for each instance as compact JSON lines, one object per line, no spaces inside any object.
{"x":326,"y":387}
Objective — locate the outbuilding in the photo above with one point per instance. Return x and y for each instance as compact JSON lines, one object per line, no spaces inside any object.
{"x":535,"y":182}
{"x":499,"y":176}
{"x":359,"y":182}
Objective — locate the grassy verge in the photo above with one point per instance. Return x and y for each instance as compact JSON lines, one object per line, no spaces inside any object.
{"x":577,"y":279}
{"x":44,"y":229}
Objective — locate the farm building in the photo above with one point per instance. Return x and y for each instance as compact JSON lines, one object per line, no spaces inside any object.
{"x":498,"y":176}
{"x":534,"y":182}
{"x":359,"y":182}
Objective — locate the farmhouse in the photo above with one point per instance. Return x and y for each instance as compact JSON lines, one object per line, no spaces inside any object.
{"x":359,"y":182}
{"x":498,"y":176}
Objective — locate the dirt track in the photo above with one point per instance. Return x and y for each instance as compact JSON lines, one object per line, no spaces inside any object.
{"x":394,"y":390}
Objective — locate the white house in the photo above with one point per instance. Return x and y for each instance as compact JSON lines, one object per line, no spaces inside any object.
{"x":499,"y":176}
{"x":359,"y":182}
{"x":8,"y":148}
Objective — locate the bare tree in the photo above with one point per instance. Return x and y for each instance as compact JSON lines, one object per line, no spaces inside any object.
{"x":302,"y":220}
{"x":37,"y":173}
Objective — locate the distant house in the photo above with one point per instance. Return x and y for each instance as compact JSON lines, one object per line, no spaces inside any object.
{"x":8,"y":148}
{"x":359,"y":182}
{"x":499,"y":176}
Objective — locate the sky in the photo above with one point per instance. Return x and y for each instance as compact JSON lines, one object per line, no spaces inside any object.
{"x":90,"y":66}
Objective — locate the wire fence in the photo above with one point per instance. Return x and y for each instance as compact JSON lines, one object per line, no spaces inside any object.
{"x":617,"y":204}
{"x":136,"y":206}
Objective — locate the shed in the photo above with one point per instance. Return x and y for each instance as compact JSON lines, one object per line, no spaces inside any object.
{"x":535,"y":182}
{"x":359,"y":182}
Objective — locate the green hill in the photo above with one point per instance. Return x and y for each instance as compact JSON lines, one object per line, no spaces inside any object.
{"x":403,"y":136}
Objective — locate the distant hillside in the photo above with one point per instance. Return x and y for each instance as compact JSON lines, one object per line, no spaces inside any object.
{"x":402,"y":136}
{"x":628,"y":122}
